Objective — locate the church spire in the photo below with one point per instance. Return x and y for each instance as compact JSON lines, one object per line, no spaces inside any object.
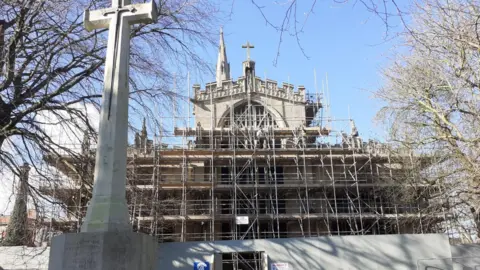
{"x":144,"y":128}
{"x":223,"y":67}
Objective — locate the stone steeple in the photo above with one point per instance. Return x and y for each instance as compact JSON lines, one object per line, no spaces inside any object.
{"x":144,"y":129}
{"x":144,"y":136}
{"x":223,"y":67}
{"x":17,"y":229}
{"x":85,"y":143}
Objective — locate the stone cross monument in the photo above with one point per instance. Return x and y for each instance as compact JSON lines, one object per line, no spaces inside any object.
{"x":108,"y":209}
{"x":106,"y":241}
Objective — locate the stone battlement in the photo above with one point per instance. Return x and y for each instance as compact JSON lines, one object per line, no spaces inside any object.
{"x":268,"y":88}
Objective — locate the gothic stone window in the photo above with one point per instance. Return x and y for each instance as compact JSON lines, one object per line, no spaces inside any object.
{"x":255,"y":116}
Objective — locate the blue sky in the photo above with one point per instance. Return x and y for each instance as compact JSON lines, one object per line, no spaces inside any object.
{"x":343,"y":40}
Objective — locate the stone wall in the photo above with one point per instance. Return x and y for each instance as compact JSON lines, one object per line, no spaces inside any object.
{"x":336,"y":252}
{"x":466,"y":257}
{"x":428,"y":251}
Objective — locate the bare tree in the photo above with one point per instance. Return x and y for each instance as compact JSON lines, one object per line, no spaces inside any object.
{"x":52,"y":70}
{"x":432,"y":97}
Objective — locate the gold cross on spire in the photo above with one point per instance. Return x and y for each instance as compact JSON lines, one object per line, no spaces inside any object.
{"x":248,"y":46}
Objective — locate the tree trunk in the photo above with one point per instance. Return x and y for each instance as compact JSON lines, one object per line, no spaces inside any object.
{"x":2,"y":43}
{"x":6,"y":113}
{"x":476,"y":220}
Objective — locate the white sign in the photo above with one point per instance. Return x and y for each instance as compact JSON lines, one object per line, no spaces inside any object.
{"x":279,"y":266}
{"x":242,"y":220}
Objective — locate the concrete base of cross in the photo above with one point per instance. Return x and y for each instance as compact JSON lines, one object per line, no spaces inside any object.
{"x":103,"y":251}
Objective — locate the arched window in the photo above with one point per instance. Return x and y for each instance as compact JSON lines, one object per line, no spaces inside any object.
{"x":255,"y":115}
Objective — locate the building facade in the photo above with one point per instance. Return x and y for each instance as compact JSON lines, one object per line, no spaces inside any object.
{"x":258,"y":160}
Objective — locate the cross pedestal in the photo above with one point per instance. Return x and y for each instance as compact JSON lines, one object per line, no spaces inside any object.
{"x":106,"y":241}
{"x":103,"y":251}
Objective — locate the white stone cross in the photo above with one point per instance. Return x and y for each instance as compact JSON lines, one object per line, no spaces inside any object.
{"x":108,"y":210}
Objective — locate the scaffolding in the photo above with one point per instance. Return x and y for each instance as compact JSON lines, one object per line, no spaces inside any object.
{"x":248,"y":176}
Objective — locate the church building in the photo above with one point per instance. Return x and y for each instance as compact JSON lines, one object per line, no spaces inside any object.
{"x":258,"y":159}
